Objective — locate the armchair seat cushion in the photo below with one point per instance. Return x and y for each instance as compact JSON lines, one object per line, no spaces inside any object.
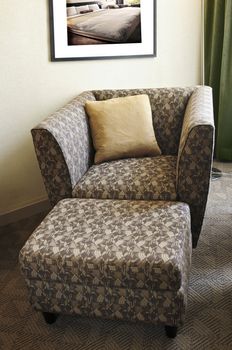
{"x":151,"y":178}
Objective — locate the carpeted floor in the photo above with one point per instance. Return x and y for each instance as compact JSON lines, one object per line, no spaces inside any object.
{"x":208,"y":323}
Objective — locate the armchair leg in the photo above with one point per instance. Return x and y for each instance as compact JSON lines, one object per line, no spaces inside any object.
{"x":194,"y":243}
{"x":49,"y":317}
{"x":171,"y":331}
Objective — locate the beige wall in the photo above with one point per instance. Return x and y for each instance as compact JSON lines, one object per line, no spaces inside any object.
{"x":32,"y":87}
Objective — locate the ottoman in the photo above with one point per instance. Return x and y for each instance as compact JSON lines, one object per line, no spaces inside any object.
{"x":122,"y":259}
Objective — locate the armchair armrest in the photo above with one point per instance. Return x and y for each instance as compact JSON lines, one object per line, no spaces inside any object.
{"x":195,"y":156}
{"x":64,"y":148}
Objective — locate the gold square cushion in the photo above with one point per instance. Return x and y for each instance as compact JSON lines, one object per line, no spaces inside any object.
{"x":122,"y":128}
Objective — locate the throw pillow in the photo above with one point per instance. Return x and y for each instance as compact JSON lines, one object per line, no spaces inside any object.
{"x":122,"y":128}
{"x":94,"y":7}
{"x":82,"y":8}
{"x":85,"y":11}
{"x":71,"y":11}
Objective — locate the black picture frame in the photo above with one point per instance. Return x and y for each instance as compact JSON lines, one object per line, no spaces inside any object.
{"x":61,"y":50}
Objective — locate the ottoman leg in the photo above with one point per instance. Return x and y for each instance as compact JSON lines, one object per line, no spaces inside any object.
{"x":171,"y":331}
{"x":49,"y":317}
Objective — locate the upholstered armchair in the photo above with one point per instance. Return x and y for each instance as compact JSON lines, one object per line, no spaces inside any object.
{"x":184,"y":129}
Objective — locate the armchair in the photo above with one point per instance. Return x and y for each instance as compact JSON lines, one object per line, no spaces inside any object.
{"x":184,"y":128}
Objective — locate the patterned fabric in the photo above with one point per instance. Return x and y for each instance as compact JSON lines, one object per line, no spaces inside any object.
{"x":152,"y":178}
{"x":66,"y":154}
{"x":123,"y":259}
{"x":52,"y":165}
{"x":64,"y":150}
{"x":168,"y":106}
{"x":195,"y":156}
{"x":158,"y":307}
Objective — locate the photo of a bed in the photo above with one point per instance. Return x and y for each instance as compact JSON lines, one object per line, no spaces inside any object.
{"x":102,"y":29}
{"x":103,"y":22}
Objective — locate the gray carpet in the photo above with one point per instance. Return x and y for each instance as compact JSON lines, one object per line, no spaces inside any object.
{"x":208,"y":323}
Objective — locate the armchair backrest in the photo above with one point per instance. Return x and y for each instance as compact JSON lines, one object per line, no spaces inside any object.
{"x":63,"y":141}
{"x":168,"y":107}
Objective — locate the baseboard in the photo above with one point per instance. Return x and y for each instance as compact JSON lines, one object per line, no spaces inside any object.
{"x":24,"y":212}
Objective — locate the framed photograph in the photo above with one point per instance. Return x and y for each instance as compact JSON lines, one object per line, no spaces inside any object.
{"x":82,"y":30}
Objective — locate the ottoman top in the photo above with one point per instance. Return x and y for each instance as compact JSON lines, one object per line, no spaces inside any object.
{"x":118,"y":243}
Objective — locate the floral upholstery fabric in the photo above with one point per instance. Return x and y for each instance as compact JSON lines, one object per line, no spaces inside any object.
{"x":168,"y":106}
{"x":195,"y":156}
{"x":65,"y":150}
{"x":184,"y":128}
{"x":111,"y":258}
{"x":52,"y":165}
{"x":151,"y":178}
{"x":146,"y":305}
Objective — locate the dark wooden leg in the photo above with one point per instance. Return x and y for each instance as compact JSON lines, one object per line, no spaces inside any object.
{"x":171,"y":332}
{"x":49,"y":317}
{"x":194,"y":244}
